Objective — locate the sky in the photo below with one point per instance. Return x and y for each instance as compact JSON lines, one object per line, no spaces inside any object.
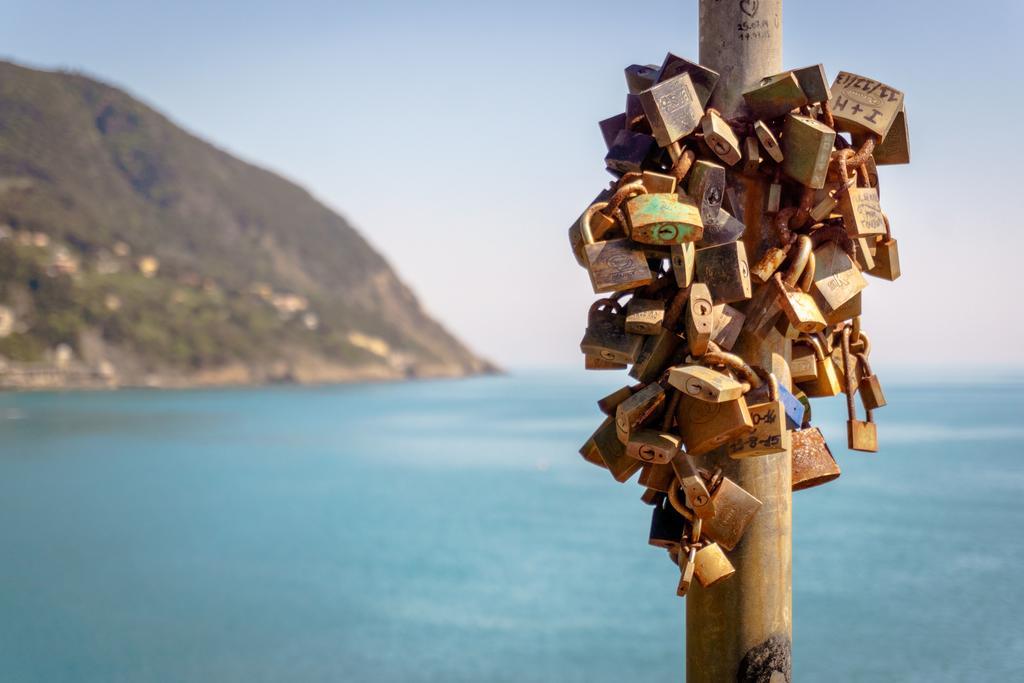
{"x":461,"y":139}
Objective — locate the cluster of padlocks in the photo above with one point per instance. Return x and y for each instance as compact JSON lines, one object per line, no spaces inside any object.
{"x":794,"y":187}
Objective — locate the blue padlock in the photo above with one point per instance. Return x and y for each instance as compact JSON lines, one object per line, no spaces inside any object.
{"x":794,"y":408}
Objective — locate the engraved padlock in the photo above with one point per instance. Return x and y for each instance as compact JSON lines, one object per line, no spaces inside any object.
{"x":770,"y":434}
{"x":606,"y":335}
{"x":614,"y":264}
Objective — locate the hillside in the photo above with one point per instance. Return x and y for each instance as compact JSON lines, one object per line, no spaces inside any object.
{"x":134,"y":252}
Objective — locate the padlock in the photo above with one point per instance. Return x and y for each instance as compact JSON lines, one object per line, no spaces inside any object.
{"x":667,"y":525}
{"x":629,"y":150}
{"x":766,"y":266}
{"x":597,"y":363}
{"x":640,"y":77}
{"x":636,"y":120}
{"x":807,"y":149}
{"x":887,"y":256}
{"x":652,"y":446}
{"x":703,"y":78}
{"x":615,"y":264}
{"x":663,"y":219}
{"x":610,"y":128}
{"x":711,"y":566}
{"x":751,"y":156}
{"x":687,"y":565}
{"x":706,"y":186}
{"x":862,"y":214}
{"x":813,"y":82}
{"x":775,"y":96}
{"x":658,"y":477}
{"x":826,"y":382}
{"x":895,"y":146}
{"x":769,"y":419}
{"x":869,"y":386}
{"x":719,"y":136}
{"x":806,"y":403}
{"x":683,"y":258}
{"x":848,"y":311}
{"x":606,"y":336}
{"x":695,"y":487}
{"x":837,"y":279}
{"x":732,"y":508}
{"x":609,"y":403}
{"x":655,"y":355}
{"x":768,"y":140}
{"x":800,"y":308}
{"x":812,"y":461}
{"x":702,"y":382}
{"x":650,"y":496}
{"x":600,"y":224}
{"x":803,"y":367}
{"x":828,"y":198}
{"x":658,"y":183}
{"x":864,"y":106}
{"x":862,"y":435}
{"x":774,"y":201}
{"x":705,"y":426}
{"x":672,"y":108}
{"x":723,"y":229}
{"x":727,"y":326}
{"x":699,"y":318}
{"x":644,"y":316}
{"x":637,"y":410}
{"x":604,"y":447}
{"x":724,"y":269}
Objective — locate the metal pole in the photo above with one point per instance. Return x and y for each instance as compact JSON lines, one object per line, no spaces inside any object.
{"x":741,"y":629}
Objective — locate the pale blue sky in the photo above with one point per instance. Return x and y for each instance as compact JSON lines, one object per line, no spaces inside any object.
{"x":461,"y":139}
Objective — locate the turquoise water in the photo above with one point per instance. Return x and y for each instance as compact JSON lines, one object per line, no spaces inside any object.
{"x":448,"y":531}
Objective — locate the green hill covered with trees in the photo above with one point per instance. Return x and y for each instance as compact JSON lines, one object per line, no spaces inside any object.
{"x":131,"y":248}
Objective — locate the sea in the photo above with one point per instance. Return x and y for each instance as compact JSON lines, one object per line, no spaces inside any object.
{"x":449,"y":531}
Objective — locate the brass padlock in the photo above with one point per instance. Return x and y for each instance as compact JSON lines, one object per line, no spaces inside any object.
{"x":864,"y":106}
{"x":711,"y":566}
{"x":887,"y":256}
{"x":706,"y":384}
{"x":615,"y":264}
{"x":724,"y":228}
{"x":770,"y":434}
{"x":604,"y":447}
{"x":751,"y":156}
{"x":640,"y":77}
{"x":658,"y":183}
{"x":658,"y":477}
{"x":606,"y":335}
{"x":728,"y":324}
{"x":652,"y":446}
{"x":862,"y":435}
{"x":609,"y":403}
{"x":672,"y":108}
{"x":806,"y":148}
{"x":706,"y":185}
{"x":770,"y":143}
{"x":837,"y":279}
{"x":644,"y":316}
{"x":802,"y":366}
{"x":862,"y":214}
{"x":705,"y":426}
{"x":826,"y":382}
{"x":683,"y":258}
{"x":800,"y":308}
{"x":724,"y":269}
{"x":637,"y":410}
{"x":687,"y":566}
{"x":774,"y":201}
{"x":813,"y":463}
{"x":655,"y":356}
{"x":719,"y":136}
{"x":732,"y":510}
{"x":776,"y":95}
{"x":598,"y":363}
{"x":869,"y":386}
{"x":703,"y":78}
{"x":848,"y":311}
{"x":813,"y":82}
{"x":699,"y":318}
{"x":895,"y":146}
{"x":663,"y":219}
